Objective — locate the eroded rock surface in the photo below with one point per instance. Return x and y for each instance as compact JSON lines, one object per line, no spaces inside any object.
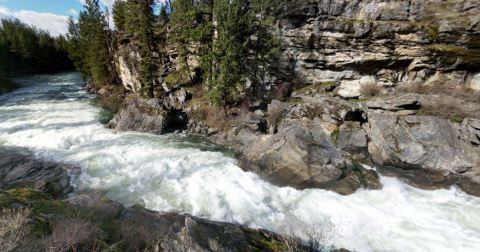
{"x":428,"y":151}
{"x":20,"y":167}
{"x":149,"y":115}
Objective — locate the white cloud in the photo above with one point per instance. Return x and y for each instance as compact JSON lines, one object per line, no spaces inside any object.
{"x":72,"y":12}
{"x":53,"y":23}
{"x":108,"y":3}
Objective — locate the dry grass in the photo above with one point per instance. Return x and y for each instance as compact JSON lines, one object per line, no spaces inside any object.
{"x":443,"y":88}
{"x":370,"y":89}
{"x":213,"y":116}
{"x":447,"y":101}
{"x":69,"y":234}
{"x":444,"y":109}
{"x":137,"y":237}
{"x":13,"y":228}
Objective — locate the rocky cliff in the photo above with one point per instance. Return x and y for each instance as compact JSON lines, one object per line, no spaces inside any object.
{"x":394,"y":84}
{"x":388,"y":43}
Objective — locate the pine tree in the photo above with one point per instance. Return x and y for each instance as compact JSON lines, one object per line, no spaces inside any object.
{"x":119,"y":14}
{"x":229,"y":51}
{"x":191,"y":32}
{"x":25,"y":49}
{"x":91,"y":44}
{"x":140,"y":19}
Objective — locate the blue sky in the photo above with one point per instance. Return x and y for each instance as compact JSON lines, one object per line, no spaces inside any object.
{"x":59,"y":7}
{"x":50,"y":15}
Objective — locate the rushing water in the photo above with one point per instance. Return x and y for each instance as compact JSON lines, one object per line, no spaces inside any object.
{"x":55,"y":117}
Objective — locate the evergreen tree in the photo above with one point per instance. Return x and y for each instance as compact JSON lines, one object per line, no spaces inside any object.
{"x":191,"y":31}
{"x":91,"y":44}
{"x":119,"y":14}
{"x":25,"y":49}
{"x":229,"y":51}
{"x":233,"y":39}
{"x":140,"y":19}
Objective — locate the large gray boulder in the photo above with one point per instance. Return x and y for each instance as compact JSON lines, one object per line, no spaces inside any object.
{"x":148,"y":115}
{"x":21,"y":167}
{"x":428,"y":151}
{"x":352,"y":138}
{"x":304,"y":156}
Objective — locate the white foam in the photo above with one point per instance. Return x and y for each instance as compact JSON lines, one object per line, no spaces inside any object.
{"x":169,"y":173}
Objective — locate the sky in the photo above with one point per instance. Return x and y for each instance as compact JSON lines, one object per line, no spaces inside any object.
{"x":49,"y":15}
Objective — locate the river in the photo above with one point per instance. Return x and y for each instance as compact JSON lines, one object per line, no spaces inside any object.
{"x":55,"y":117}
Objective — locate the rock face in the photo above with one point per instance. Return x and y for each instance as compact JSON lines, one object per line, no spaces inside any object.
{"x":300,"y":150}
{"x":150,"y":115}
{"x":127,"y":60}
{"x":22,"y":168}
{"x":318,"y":131}
{"x":428,"y":151}
{"x":385,"y":42}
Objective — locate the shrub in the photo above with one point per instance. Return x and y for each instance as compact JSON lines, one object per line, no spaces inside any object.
{"x":370,"y":89}
{"x":443,"y":87}
{"x":69,"y":234}
{"x":137,"y":237}
{"x":13,"y":228}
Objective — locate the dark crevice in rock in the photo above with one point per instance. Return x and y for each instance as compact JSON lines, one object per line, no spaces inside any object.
{"x":356,"y":116}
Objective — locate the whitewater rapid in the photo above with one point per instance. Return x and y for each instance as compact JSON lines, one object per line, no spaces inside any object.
{"x":55,"y":117}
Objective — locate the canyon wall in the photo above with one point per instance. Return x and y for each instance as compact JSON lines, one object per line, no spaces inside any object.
{"x":393,"y":84}
{"x":353,"y":43}
{"x":389,"y":43}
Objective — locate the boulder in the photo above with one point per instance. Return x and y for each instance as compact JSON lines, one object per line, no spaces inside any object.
{"x":21,"y":167}
{"x":303,"y":156}
{"x":428,"y":151}
{"x":352,"y":138}
{"x":148,"y":115}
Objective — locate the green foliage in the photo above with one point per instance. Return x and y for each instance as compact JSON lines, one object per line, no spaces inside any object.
{"x":229,"y":51}
{"x":136,"y":16}
{"x":232,"y":40}
{"x":25,"y":49}
{"x":119,"y":14}
{"x":191,"y":32}
{"x":90,"y":42}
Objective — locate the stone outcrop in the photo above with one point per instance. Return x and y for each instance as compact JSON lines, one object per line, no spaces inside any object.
{"x":324,"y":123}
{"x":428,"y":151}
{"x":127,"y":61}
{"x":300,"y":149}
{"x":20,"y":167}
{"x":181,"y":232}
{"x":384,"y":42}
{"x":157,"y":116}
